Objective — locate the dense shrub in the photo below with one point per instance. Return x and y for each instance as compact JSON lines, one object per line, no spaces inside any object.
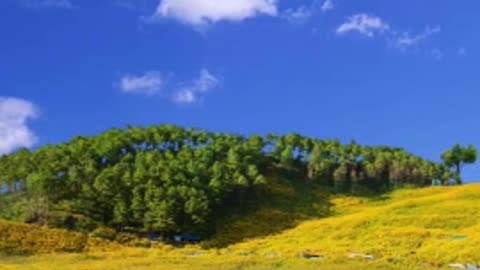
{"x":104,"y":233}
{"x":26,"y":239}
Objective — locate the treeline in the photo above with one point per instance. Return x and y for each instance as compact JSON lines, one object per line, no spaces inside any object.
{"x":166,"y":179}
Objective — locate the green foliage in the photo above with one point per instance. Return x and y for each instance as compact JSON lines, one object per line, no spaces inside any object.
{"x":458,"y":156}
{"x":166,"y":179}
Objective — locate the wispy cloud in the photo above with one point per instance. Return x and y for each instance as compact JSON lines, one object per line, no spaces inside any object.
{"x":204,"y":12}
{"x":155,"y":82}
{"x":370,"y":26}
{"x":304,"y":12}
{"x":66,"y":4}
{"x":197,"y":90}
{"x":406,"y":39}
{"x":206,"y":81}
{"x":14,"y":131}
{"x":185,"y":96}
{"x":327,"y":5}
{"x":364,"y":24}
{"x":297,"y":15}
{"x":149,"y":83}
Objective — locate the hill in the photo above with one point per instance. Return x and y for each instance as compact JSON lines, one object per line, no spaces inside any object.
{"x":165,"y":180}
{"x":406,"y":229}
{"x":267,"y":201}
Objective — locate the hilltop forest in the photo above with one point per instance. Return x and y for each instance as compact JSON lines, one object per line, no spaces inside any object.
{"x":167,"y":179}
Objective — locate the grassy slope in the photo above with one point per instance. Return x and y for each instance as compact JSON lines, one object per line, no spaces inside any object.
{"x":408,"y":229}
{"x":413,"y":228}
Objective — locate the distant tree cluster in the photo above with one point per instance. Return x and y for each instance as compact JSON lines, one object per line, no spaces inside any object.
{"x":166,"y":179}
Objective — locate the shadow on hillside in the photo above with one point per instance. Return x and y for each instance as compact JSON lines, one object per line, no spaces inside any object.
{"x":378,"y":198}
{"x":372,"y":196}
{"x":286,"y":204}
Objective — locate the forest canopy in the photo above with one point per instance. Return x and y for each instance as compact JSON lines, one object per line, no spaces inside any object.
{"x":167,"y":179}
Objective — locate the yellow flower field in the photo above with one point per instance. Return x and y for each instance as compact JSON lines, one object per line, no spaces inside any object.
{"x":408,"y":229}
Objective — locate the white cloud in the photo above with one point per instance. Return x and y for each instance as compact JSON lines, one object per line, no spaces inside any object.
{"x":298,"y":15}
{"x":364,"y":24}
{"x":14,"y":132}
{"x":205,"y":82}
{"x":302,"y":13}
{"x":405,"y":39}
{"x":185,"y":96}
{"x":47,"y":4}
{"x":203,"y":12}
{"x":327,"y":5}
{"x":149,"y":83}
{"x":370,"y":26}
{"x":153,"y":82}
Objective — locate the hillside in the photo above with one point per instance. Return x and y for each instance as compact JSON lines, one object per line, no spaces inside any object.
{"x":431,"y":227}
{"x":407,"y":229}
{"x":165,"y":180}
{"x":270,"y":201}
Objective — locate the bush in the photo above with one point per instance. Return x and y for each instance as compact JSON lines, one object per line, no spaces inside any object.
{"x":104,"y":233}
{"x":27,"y":239}
{"x":73,"y":222}
{"x":132,"y":240}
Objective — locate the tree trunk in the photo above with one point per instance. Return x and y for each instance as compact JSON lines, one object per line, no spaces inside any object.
{"x":458,"y":173}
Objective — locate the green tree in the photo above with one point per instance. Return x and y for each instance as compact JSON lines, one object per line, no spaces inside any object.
{"x":459,"y":156}
{"x":167,"y":179}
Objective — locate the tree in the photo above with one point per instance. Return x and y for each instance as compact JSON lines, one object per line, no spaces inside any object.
{"x":459,"y":156}
{"x":167,"y":179}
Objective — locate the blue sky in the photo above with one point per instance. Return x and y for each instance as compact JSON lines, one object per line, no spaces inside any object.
{"x":402,"y":73}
